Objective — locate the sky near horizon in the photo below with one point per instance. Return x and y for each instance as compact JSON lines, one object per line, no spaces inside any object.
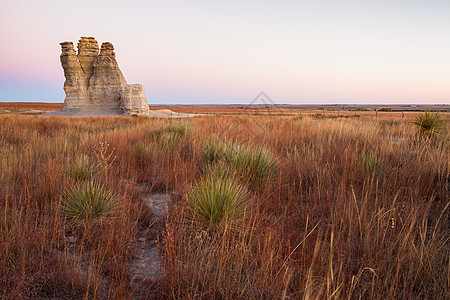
{"x":225,"y":52}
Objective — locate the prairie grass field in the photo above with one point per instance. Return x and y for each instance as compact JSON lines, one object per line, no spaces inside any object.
{"x":262,"y":207}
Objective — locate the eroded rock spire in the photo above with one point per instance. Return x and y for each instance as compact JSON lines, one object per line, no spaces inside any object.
{"x":94,"y":80}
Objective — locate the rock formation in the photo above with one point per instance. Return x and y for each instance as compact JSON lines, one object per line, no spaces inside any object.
{"x":94,"y":80}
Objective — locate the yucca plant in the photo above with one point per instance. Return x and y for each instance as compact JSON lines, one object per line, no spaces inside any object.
{"x":177,"y":130}
{"x":142,"y":153}
{"x":369,"y":163}
{"x":429,"y":123}
{"x":213,"y":150}
{"x":155,"y":133}
{"x":220,"y":170}
{"x":169,"y":136}
{"x":82,"y":169}
{"x":180,"y":129}
{"x":88,"y":201}
{"x":216,"y":201}
{"x":258,"y":164}
{"x":169,"y":141}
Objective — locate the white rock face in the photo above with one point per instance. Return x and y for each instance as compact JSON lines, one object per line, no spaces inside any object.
{"x":75,"y":85}
{"x":94,"y":80}
{"x":133,"y":101}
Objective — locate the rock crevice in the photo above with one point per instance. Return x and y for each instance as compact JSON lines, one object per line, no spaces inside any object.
{"x":94,"y":80}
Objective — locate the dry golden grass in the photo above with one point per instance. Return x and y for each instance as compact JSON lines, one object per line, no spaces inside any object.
{"x":359,"y":209}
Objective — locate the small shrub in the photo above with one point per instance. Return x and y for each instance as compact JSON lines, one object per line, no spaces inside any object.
{"x":213,"y":201}
{"x":82,"y":169}
{"x":88,"y":201}
{"x":318,"y":116}
{"x":429,"y":123}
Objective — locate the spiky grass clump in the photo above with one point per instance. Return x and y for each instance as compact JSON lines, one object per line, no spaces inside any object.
{"x":215,"y":201}
{"x":429,"y":123}
{"x":169,"y":141}
{"x":220,"y":170}
{"x":82,"y":169}
{"x":258,"y":164}
{"x":154,"y":133}
{"x":169,"y":136}
{"x":142,"y":153}
{"x":213,"y":151}
{"x":369,"y":164}
{"x":180,"y":130}
{"x":88,"y":201}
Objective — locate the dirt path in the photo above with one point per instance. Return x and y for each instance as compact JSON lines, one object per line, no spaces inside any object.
{"x":148,"y":264}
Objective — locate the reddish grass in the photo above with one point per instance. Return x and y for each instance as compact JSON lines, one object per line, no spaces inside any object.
{"x":404,"y":112}
{"x":325,"y":228}
{"x":31,"y":105}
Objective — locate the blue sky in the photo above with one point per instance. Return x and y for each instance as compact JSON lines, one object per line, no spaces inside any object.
{"x":186,"y":52}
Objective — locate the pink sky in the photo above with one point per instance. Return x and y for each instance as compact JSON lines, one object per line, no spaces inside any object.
{"x":298,"y":52}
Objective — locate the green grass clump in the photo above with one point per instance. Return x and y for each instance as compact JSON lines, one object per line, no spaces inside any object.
{"x":169,"y":136}
{"x":369,"y":164}
{"x":214,"y":201}
{"x":220,"y":170}
{"x":180,"y":130}
{"x":88,"y":201}
{"x":82,"y":169}
{"x":155,"y":133}
{"x":142,"y":153}
{"x":257,"y":164}
{"x":213,"y":151}
{"x":429,"y":123}
{"x":169,"y":141}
